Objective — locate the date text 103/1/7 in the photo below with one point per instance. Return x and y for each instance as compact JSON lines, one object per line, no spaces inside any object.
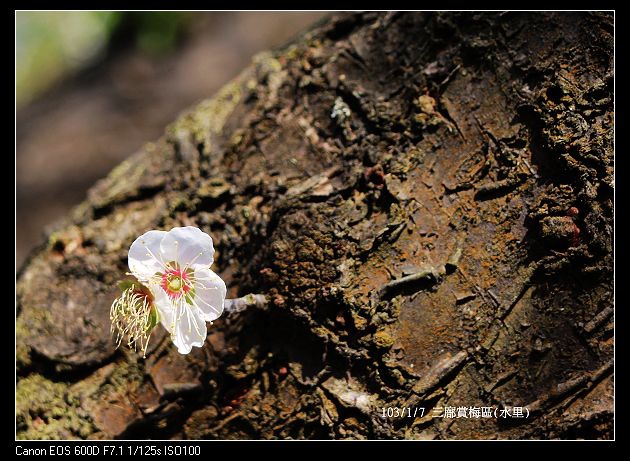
{"x":404,"y":412}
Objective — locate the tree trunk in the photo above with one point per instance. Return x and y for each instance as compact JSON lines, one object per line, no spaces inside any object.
{"x":426,"y":199}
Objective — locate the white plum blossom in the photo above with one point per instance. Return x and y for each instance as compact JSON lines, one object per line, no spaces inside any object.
{"x":173,"y":269}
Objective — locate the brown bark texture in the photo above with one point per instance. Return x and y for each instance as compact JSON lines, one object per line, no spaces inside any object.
{"x":426,"y":199}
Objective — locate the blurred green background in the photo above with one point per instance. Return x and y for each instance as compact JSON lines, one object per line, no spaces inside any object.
{"x":92,"y":87}
{"x":52,"y":44}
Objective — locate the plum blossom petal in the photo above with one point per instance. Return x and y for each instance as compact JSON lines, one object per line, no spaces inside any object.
{"x":210,"y":293}
{"x":144,"y":255}
{"x":190,"y":328}
{"x":189,"y":246}
{"x":165,"y":308}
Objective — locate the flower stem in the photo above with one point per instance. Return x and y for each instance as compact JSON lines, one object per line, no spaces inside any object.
{"x":235,"y":305}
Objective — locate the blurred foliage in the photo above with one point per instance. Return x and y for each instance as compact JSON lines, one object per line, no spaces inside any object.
{"x":52,"y":45}
{"x":158,"y":32}
{"x":48,"y":45}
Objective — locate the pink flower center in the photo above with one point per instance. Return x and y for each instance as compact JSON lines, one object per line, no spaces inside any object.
{"x":175,"y":283}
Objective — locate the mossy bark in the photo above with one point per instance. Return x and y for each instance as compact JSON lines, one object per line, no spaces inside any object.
{"x":425,"y":198}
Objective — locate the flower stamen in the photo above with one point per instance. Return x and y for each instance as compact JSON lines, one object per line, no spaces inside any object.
{"x":133,"y":317}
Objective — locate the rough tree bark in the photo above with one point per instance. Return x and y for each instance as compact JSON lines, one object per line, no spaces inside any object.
{"x":427,"y":201}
